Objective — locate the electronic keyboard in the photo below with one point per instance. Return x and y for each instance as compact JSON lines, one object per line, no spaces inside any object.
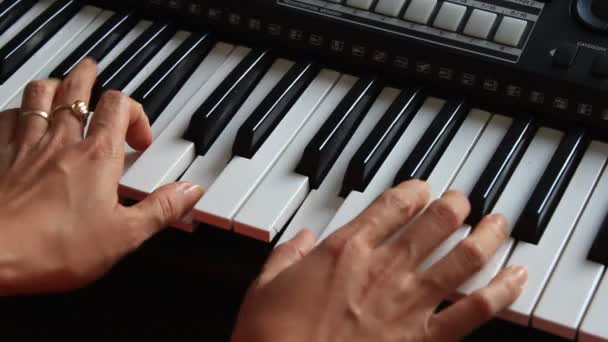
{"x":299,"y":113}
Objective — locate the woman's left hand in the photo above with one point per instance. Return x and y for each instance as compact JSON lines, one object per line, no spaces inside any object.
{"x":61,"y":224}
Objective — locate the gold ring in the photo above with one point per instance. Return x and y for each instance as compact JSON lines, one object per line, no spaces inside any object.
{"x":39,"y":113}
{"x":79,"y":109}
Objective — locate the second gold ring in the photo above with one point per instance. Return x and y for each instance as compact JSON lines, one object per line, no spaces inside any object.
{"x":79,"y":109}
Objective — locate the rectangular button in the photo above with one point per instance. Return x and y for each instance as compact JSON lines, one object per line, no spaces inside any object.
{"x":389,"y":7}
{"x":510,"y":31}
{"x":450,"y":16}
{"x":420,"y":11}
{"x":480,"y":24}
{"x":362,"y":4}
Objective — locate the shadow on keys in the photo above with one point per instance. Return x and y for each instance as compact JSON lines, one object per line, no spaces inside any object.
{"x":177,"y":287}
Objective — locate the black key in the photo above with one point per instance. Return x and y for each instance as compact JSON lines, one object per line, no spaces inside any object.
{"x":99,"y":44}
{"x":12,"y":10}
{"x":129,"y":63}
{"x":433,"y":143}
{"x":19,"y":49}
{"x":494,"y":178}
{"x":156,"y":92}
{"x":370,"y":156}
{"x":215,"y":113}
{"x":549,"y":191}
{"x":599,"y":248}
{"x":321,"y":154}
{"x":272,"y":110}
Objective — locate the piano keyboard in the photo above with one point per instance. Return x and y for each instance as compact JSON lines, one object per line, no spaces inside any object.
{"x":280,"y":144}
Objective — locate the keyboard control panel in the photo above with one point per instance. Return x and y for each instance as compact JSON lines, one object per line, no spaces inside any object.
{"x":498,"y":29}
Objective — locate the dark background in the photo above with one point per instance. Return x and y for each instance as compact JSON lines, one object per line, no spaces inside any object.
{"x":177,"y":287}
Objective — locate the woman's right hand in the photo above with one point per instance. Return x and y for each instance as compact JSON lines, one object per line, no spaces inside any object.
{"x":362,"y":283}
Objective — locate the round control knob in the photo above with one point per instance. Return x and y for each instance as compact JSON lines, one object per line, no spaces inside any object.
{"x":592,"y":13}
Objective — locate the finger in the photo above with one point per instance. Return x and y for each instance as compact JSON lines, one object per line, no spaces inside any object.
{"x":387,"y":214}
{"x":467,"y":314}
{"x":77,"y":86}
{"x":37,"y":96}
{"x":118,"y":117}
{"x":163,"y":207}
{"x":430,"y":229}
{"x":8,"y":126}
{"x":469,"y":256}
{"x":286,"y":255}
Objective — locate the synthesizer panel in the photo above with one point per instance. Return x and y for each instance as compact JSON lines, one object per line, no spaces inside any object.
{"x":548,"y":58}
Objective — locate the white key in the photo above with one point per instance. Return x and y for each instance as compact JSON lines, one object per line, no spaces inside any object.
{"x":315,"y":214}
{"x":454,"y":156}
{"x":129,"y":38}
{"x":170,"y":154}
{"x":541,"y":259}
{"x":594,"y":327}
{"x":356,"y":201}
{"x":283,"y":190}
{"x":206,"y":169}
{"x":574,"y":280}
{"x":63,"y":54}
{"x":321,"y":204}
{"x":468,"y":175}
{"x":25,"y":20}
{"x":130,"y":154}
{"x":240,"y":178}
{"x":389,"y":7}
{"x":46,"y":53}
{"x":515,"y":196}
{"x":156,"y":61}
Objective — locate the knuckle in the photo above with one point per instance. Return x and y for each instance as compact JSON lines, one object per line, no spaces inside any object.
{"x":340,"y":244}
{"x":38,"y":89}
{"x":167,"y":209}
{"x":473,"y":254}
{"x":433,"y":285}
{"x":69,"y":85}
{"x":446,"y":213}
{"x":483,"y":305}
{"x":113,"y":98}
{"x":355,"y":246}
{"x":334,"y":245}
{"x":287,"y":251}
{"x":498,"y":226}
{"x":101,"y":148}
{"x":398,"y":199}
{"x":62,"y":166}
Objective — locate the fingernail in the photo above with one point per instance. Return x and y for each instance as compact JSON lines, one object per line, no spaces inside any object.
{"x":519,"y":275}
{"x":500,"y":221}
{"x":187,"y":188}
{"x":192,"y":188}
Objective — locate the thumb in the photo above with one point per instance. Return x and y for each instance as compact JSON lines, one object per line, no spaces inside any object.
{"x":163,"y":207}
{"x":286,"y":255}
